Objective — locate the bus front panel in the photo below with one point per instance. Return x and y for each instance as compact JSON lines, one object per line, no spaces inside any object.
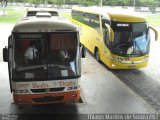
{"x":130,"y":47}
{"x":42,"y":61}
{"x":44,"y":92}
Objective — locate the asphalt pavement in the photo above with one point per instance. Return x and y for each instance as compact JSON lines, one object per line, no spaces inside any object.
{"x":101,"y":93}
{"x":5,"y":31}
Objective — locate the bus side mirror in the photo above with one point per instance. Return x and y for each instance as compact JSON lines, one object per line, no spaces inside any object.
{"x":105,"y":21}
{"x":83,"y":52}
{"x":111,"y":33}
{"x":5,"y":54}
{"x":156,"y":33}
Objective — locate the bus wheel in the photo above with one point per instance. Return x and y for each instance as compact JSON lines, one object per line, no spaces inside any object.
{"x":97,"y":55}
{"x":20,"y":107}
{"x":83,"y":52}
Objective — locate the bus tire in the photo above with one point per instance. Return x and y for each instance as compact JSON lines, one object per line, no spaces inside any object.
{"x":83,"y":52}
{"x":97,"y":55}
{"x":20,"y":107}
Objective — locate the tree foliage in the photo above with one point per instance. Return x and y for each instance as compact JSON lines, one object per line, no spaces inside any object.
{"x":94,"y":2}
{"x":3,"y":3}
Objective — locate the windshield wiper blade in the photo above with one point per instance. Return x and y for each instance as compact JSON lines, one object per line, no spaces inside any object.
{"x":30,"y":67}
{"x":41,"y":66}
{"x":60,"y":66}
{"x":141,"y":52}
{"x":139,"y":49}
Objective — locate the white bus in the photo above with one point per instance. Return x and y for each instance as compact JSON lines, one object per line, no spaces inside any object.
{"x":44,"y":61}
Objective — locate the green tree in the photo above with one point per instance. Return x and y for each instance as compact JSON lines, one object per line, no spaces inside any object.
{"x":3,"y":3}
{"x":56,"y":2}
{"x":94,"y":2}
{"x":35,"y":2}
{"x":89,"y":2}
{"x":152,"y":5}
{"x":59,"y":2}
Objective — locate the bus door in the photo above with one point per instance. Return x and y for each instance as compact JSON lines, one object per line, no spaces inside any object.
{"x":10,"y":62}
{"x":106,"y":46}
{"x":107,"y":42}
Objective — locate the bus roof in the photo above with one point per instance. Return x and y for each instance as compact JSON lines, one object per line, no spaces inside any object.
{"x":114,"y":14}
{"x":44,"y":25}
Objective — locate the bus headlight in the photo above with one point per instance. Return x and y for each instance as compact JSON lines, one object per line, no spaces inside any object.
{"x":146,"y":59}
{"x":113,"y":65}
{"x":22,"y":91}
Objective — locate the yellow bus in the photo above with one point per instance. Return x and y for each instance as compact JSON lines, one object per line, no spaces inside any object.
{"x":118,"y":39}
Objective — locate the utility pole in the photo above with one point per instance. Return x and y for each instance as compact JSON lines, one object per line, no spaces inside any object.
{"x":134,"y":4}
{"x":35,"y":3}
{"x":64,"y":4}
{"x":101,"y":3}
{"x":45,"y":3}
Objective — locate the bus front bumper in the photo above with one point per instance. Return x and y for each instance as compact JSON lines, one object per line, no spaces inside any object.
{"x":47,"y":98}
{"x":115,"y":65}
{"x":131,"y":64}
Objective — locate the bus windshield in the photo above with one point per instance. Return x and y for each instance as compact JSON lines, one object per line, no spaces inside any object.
{"x":130,"y":39}
{"x":45,"y":57}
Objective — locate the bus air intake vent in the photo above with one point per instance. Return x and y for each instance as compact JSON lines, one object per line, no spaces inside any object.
{"x":46,"y":90}
{"x":48,"y":99}
{"x":38,"y":90}
{"x":63,"y":30}
{"x":57,"y":89}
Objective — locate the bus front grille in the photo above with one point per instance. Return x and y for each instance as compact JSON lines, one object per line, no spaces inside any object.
{"x":38,"y":90}
{"x":57,"y":89}
{"x":47,"y":90}
{"x":48,"y":99}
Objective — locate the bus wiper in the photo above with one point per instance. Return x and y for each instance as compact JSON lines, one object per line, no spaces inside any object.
{"x":43,"y":66}
{"x":139,"y":50}
{"x":30,"y":67}
{"x":60,"y":66}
